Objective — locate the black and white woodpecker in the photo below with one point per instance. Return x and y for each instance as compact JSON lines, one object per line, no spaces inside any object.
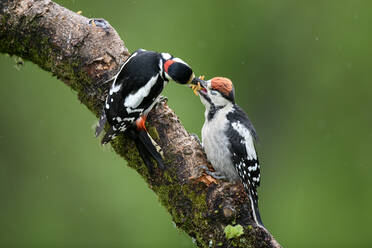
{"x":228,"y":138}
{"x":134,"y":92}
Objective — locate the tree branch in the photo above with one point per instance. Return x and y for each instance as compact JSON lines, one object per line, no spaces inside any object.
{"x":83,"y":55}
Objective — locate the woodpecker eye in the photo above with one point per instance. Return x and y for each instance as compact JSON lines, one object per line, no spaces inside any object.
{"x":213,"y":92}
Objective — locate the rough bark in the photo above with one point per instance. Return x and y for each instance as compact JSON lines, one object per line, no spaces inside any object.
{"x":83,"y":55}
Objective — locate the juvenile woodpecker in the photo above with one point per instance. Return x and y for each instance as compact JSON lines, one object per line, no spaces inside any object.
{"x":134,"y":92}
{"x":228,"y":138}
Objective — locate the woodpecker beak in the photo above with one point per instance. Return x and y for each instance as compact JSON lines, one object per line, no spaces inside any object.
{"x":198,"y":84}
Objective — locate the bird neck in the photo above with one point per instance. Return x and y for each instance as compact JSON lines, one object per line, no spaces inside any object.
{"x":212,"y":110}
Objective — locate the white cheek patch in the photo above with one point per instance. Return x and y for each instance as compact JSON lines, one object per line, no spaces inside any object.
{"x":218,"y":99}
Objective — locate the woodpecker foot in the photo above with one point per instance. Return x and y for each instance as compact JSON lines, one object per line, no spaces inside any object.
{"x":195,"y":137}
{"x":215,"y":174}
{"x":199,"y":174}
{"x":102,"y":23}
{"x":161,"y":99}
{"x":202,"y":169}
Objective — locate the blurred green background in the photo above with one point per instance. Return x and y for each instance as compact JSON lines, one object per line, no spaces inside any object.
{"x":302,"y":72}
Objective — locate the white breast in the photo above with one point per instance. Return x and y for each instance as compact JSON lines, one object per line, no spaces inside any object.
{"x":216,"y":144}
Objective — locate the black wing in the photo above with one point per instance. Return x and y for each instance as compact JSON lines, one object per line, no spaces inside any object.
{"x":241,"y":136}
{"x":140,"y":69}
{"x":244,"y":156}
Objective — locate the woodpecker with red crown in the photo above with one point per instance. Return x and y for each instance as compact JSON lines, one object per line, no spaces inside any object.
{"x":228,"y":138}
{"x":135,"y":90}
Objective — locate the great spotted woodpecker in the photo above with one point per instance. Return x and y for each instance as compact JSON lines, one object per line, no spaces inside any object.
{"x":134,"y":92}
{"x":228,"y":138}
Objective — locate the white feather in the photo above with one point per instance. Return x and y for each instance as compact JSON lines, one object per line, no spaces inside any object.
{"x":247,"y":139}
{"x":134,"y":100}
{"x":216,"y":143}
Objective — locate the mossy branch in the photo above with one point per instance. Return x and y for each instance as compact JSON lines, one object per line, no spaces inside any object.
{"x":83,"y":54}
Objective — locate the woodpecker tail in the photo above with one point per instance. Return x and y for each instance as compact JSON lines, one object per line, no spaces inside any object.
{"x":254,"y":205}
{"x":109,"y":135}
{"x":101,"y":124}
{"x":146,"y":148}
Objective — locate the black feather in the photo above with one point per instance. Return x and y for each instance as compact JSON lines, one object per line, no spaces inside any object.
{"x":146,"y":148}
{"x":146,"y":141}
{"x":247,"y":165}
{"x":109,"y":135}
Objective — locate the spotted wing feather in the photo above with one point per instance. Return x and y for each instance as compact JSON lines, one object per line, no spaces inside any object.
{"x":244,"y":157}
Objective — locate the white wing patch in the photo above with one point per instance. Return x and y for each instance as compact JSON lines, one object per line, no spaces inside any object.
{"x":134,"y":100}
{"x":130,"y":110}
{"x":247,"y":139}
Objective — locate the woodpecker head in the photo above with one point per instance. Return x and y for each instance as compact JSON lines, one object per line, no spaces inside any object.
{"x":218,"y":91}
{"x":177,"y":70}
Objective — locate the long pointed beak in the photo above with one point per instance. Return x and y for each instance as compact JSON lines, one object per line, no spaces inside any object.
{"x":200,"y":81}
{"x":198,"y":84}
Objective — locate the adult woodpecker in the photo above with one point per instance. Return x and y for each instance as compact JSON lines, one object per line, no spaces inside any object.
{"x":134,"y":92}
{"x":228,"y":138}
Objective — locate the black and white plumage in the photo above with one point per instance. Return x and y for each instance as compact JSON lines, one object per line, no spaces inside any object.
{"x":135,"y":90}
{"x":228,"y":138}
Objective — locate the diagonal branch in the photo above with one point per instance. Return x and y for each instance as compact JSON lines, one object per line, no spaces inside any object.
{"x":84,"y":54}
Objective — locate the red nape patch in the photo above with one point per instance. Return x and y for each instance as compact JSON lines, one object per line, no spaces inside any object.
{"x":167,"y":64}
{"x":222,"y":84}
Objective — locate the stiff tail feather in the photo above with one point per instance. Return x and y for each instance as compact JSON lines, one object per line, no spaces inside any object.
{"x":256,"y":212}
{"x":109,"y":135}
{"x":146,"y":148}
